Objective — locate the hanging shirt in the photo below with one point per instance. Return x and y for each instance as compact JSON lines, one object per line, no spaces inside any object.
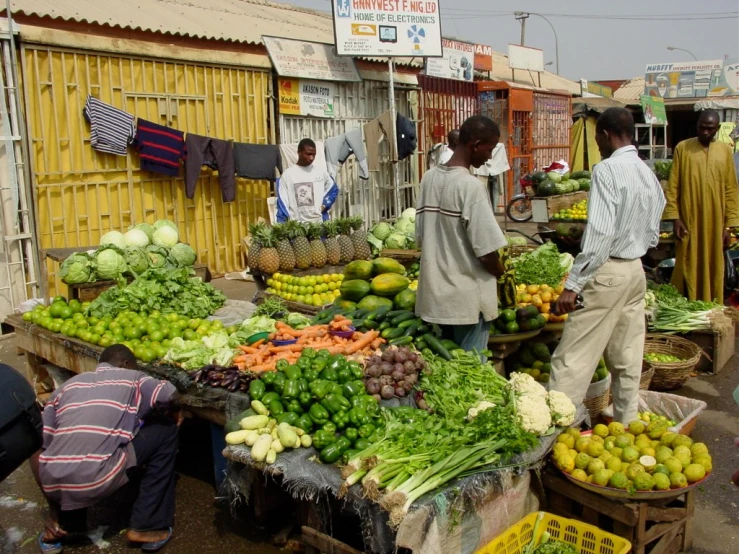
{"x":496,"y":165}
{"x":339,"y":148}
{"x":302,"y":191}
{"x":89,"y":424}
{"x":445,"y":156}
{"x":160,"y":148}
{"x":257,"y":161}
{"x":377,"y":130}
{"x":111,"y":129}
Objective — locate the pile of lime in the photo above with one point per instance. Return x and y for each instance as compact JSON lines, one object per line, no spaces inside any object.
{"x":664,"y":358}
{"x":314,"y":290}
{"x":647,"y":417}
{"x":148,"y":336}
{"x":643,"y":457}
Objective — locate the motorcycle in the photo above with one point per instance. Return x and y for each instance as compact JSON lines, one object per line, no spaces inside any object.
{"x":519,"y":207}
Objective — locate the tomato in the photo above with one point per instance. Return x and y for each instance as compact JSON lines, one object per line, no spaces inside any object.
{"x":216,"y":324}
{"x":174,"y":333}
{"x":181,"y":325}
{"x":81,"y":324}
{"x":147,"y":355}
{"x":68,"y":330}
{"x":84,"y":335}
{"x":166,"y":343}
{"x":76,"y":305}
{"x":172,"y":317}
{"x":132,"y":333}
{"x":93,"y":321}
{"x":45,"y":313}
{"x":45,"y":322}
{"x":161,"y":351}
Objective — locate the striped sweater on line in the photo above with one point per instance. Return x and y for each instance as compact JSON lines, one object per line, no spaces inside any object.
{"x":111,"y":129}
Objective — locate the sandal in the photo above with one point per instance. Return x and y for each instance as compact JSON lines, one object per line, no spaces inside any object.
{"x":157,"y":545}
{"x":49,"y":547}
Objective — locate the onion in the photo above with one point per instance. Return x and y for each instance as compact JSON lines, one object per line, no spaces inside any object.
{"x":388,"y":355}
{"x":398,"y":368}
{"x":399,"y":392}
{"x":373,"y":386}
{"x":387,"y":368}
{"x":374,"y":371}
{"x":387,"y":392}
{"x":398,"y":375}
{"x":409,"y":366}
{"x":401,"y":357}
{"x":407,"y":386}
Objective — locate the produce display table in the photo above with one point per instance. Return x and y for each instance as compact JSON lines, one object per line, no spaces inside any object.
{"x":663,"y":526}
{"x":260,"y":279}
{"x":44,"y":347}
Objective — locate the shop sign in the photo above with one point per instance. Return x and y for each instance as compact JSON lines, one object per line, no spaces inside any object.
{"x":306,"y":97}
{"x":393,"y":28}
{"x":654,"y":109}
{"x":309,"y":60}
{"x":690,"y":79}
{"x":457,"y":62}
{"x":483,"y":57}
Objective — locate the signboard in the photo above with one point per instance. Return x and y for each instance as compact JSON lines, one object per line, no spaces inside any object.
{"x":524,"y":57}
{"x":690,"y":79}
{"x":306,"y":97}
{"x":404,"y":28}
{"x":589,"y":89}
{"x":309,"y":60}
{"x":654,"y":109}
{"x":456,"y":63}
{"x":483,"y":57}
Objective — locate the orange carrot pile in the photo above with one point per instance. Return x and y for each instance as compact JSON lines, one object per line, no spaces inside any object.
{"x":340,"y":323}
{"x":263,"y":356}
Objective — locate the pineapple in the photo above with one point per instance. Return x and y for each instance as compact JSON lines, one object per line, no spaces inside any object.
{"x":269,"y":260}
{"x":345,"y":242}
{"x":284,"y":248}
{"x":255,"y":246}
{"x":301,"y":246}
{"x":333,"y":250}
{"x":317,"y":248}
{"x":362,"y":249}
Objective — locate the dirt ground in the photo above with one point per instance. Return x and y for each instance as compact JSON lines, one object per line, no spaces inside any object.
{"x":205,"y":525}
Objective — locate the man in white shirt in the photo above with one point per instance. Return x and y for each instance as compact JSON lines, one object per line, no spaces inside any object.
{"x":452,"y":140}
{"x":624,"y":211}
{"x":305,"y":192}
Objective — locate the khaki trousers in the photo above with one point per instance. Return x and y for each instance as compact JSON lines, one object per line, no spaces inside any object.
{"x":611,"y":325}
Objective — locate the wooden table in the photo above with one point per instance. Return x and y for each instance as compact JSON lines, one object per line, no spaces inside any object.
{"x":42,"y":347}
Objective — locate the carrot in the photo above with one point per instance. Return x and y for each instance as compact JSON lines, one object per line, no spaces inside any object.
{"x":335,"y":349}
{"x":248,"y":349}
{"x":262,"y":368}
{"x":286,"y":348}
{"x":289,"y":331}
{"x":340,"y":323}
{"x":376,"y":343}
{"x":363,"y":342}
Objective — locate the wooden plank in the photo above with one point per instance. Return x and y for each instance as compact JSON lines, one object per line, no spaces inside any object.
{"x":664,"y":515}
{"x":687,"y":542}
{"x":640,"y":540}
{"x":546,"y":207}
{"x":660,"y":529}
{"x":720,"y":349}
{"x":324,"y":543}
{"x":668,"y":543}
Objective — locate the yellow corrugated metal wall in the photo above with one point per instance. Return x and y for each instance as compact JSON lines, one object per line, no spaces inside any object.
{"x":81,"y":194}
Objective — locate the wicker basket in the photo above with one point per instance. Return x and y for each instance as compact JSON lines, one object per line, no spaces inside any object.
{"x":671,"y":375}
{"x":597,"y":397}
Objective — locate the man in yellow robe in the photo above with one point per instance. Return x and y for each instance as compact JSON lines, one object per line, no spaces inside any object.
{"x":703,"y":202}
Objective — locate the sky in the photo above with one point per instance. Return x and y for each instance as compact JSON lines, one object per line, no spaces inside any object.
{"x":593,"y":44}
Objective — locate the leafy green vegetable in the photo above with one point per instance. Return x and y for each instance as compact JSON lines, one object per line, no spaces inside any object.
{"x":542,"y":266}
{"x":77,"y":268}
{"x":146,"y":228}
{"x":297,"y":321}
{"x":136,"y":237}
{"x":271,"y":306}
{"x":110,"y":262}
{"x":166,"y":236}
{"x":157,"y":256}
{"x":194,"y":354}
{"x":137,"y":260}
{"x":167,"y":290}
{"x":556,"y":547}
{"x":182,"y":255}
{"x":662,"y":169}
{"x":257,"y":324}
{"x":669,"y":311}
{"x":113,"y":237}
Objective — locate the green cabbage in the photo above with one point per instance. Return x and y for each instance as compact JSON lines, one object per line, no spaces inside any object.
{"x":136,"y":237}
{"x":110,"y":261}
{"x":77,"y":268}
{"x":396,"y":241}
{"x":382,"y":230}
{"x":146,"y":228}
{"x":405,"y":226}
{"x":410,"y":214}
{"x":164,"y":223}
{"x":113,"y":237}
{"x":157,"y":256}
{"x":166,"y":236}
{"x":137,"y":260}
{"x":182,"y":255}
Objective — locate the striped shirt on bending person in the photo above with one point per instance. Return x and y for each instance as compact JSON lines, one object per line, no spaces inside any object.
{"x":624,"y":210}
{"x":111,"y":129}
{"x":89,"y":424}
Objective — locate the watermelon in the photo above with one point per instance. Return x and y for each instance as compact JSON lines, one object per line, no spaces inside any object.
{"x":580,"y":175}
{"x":554,"y":177}
{"x":566,"y":176}
{"x":584,"y":184}
{"x":561,"y":188}
{"x":574,"y":185}
{"x":546,"y":188}
{"x":538,"y":177}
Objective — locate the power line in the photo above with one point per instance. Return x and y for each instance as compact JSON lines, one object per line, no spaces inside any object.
{"x":462,"y":13}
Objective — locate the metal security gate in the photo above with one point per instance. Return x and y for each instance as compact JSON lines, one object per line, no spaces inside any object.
{"x":354,"y":105}
{"x":81,"y":194}
{"x":445,"y":104}
{"x":19,"y":264}
{"x":551,"y":122}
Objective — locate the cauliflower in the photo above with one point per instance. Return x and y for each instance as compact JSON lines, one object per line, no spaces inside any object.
{"x":533,"y":414}
{"x":561,"y":407}
{"x":474,"y":411}
{"x":525,"y":385}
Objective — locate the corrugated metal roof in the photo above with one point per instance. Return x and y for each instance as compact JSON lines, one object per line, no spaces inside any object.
{"x":502,"y":71}
{"x":630,"y":91}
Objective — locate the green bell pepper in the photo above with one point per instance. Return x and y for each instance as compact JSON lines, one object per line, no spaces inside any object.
{"x":322,"y":438}
{"x":294,"y":406}
{"x":269,"y":378}
{"x":335,"y":403}
{"x":305,"y":399}
{"x":319,"y":388}
{"x":343,"y":443}
{"x":365,"y":431}
{"x":293,"y":372}
{"x":305,"y":423}
{"x":352,"y":389}
{"x":281,"y":365}
{"x":356,"y":370}
{"x":269,"y":397}
{"x":310,"y":374}
{"x":276,"y":408}
{"x":303,"y":363}
{"x":330,"y":427}
{"x":362,"y":444}
{"x":357,"y":416}
{"x":376,"y":436}
{"x":344,"y":375}
{"x":291,"y":418}
{"x":279,"y":383}
{"x":319,"y":363}
{"x":329,"y":374}
{"x":363,"y":401}
{"x":341,"y":419}
{"x":303,"y":384}
{"x":348,"y":455}
{"x":329,"y":454}
{"x":308,"y":353}
{"x":334,"y":387}
{"x":257,"y":389}
{"x":291,"y":389}
{"x":352,"y":434}
{"x":318,"y":414}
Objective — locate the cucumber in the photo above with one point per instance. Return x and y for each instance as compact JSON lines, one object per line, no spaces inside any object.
{"x":449,"y":344}
{"x":436,"y":330}
{"x":370,"y":324}
{"x":384,"y":325}
{"x":378,"y":314}
{"x":401,"y":341}
{"x":393,"y":333}
{"x":423,"y":329}
{"x":386,"y":332}
{"x":420,"y":344}
{"x":398,"y":319}
{"x":396,"y":313}
{"x":436,"y":346}
{"x":407,"y":323}
{"x":412,"y":330}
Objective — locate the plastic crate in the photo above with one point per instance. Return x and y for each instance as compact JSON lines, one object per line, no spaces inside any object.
{"x":586,"y":538}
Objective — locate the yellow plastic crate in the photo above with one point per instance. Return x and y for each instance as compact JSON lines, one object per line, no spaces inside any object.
{"x":586,"y":538}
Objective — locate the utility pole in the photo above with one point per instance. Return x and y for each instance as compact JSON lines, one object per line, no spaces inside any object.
{"x":522,"y":17}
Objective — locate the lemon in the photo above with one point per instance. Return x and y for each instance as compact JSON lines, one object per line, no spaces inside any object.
{"x":595,"y":449}
{"x":698,"y":448}
{"x":581,"y":444}
{"x":580,"y":475}
{"x":643,"y":482}
{"x":634,"y":470}
{"x":673,"y":465}
{"x":566,"y":439}
{"x":661,"y":481}
{"x":600,"y":430}
{"x":704,"y":460}
{"x":619,"y":480}
{"x":694,"y":473}
{"x":648,"y":462}
{"x":595,"y":466}
{"x":566,"y":463}
{"x":601,"y":477}
{"x":582,"y":460}
{"x":614,"y":464}
{"x":678,"y":481}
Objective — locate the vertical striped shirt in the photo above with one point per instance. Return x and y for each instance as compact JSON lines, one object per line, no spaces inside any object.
{"x":624,"y":210}
{"x":89,"y":424}
{"x":111,"y":129}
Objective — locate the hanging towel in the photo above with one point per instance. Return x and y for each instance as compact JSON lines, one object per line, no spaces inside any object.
{"x":214,"y":153}
{"x":160,"y":148}
{"x":377,"y":130}
{"x":257,"y":161}
{"x":289,"y":154}
{"x":111,"y":129}
{"x":338,"y":149}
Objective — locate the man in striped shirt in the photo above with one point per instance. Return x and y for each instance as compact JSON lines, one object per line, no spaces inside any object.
{"x":97,"y":426}
{"x":624,"y":211}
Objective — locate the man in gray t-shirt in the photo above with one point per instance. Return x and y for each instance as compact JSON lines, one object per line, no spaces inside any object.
{"x":459,"y":237}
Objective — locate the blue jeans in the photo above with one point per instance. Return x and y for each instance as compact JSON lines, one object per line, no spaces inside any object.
{"x":469,"y":337}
